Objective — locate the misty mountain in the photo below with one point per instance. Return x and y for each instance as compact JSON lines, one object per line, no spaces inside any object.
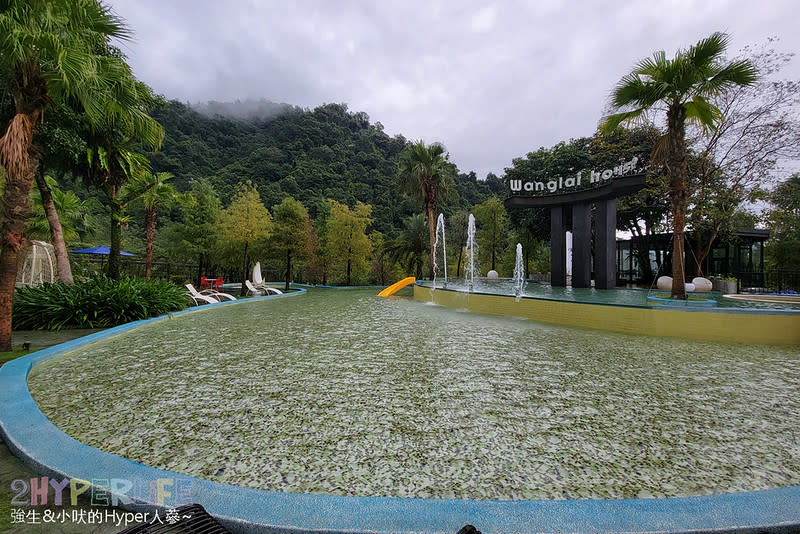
{"x":251,"y":110}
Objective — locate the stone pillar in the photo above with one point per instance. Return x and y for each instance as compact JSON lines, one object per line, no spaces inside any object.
{"x":606,"y":244}
{"x":582,"y":245}
{"x":558,"y":247}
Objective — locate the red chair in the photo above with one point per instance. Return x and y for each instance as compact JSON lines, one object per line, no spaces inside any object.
{"x":218,"y":284}
{"x":204,"y":281}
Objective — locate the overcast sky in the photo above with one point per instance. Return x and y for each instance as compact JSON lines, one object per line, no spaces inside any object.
{"x":490,"y":80}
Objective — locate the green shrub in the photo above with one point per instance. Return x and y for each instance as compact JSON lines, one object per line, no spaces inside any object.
{"x":96,"y":303}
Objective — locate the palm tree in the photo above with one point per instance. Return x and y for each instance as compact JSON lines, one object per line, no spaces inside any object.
{"x":425,"y":172}
{"x":120,"y":173}
{"x":49,"y":52}
{"x":683,"y":85}
{"x":74,"y":217}
{"x":160,"y":194}
{"x":410,"y":247}
{"x":54,"y":227}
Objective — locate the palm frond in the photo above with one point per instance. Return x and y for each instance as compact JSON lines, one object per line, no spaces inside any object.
{"x":702,"y":113}
{"x":708,"y":50}
{"x":611,"y":122}
{"x":740,"y":72}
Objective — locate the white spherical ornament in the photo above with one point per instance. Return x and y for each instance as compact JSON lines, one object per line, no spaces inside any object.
{"x":492,"y":275}
{"x":702,"y":284}
{"x":689,"y":287}
{"x":664,"y":283}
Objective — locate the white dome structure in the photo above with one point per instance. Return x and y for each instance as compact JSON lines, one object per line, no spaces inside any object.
{"x":37,"y":265}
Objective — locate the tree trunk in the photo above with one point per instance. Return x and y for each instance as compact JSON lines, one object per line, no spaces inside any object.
{"x":703,"y":252}
{"x":676,"y":171}
{"x":115,"y":247}
{"x":245,"y":269}
{"x":494,"y":255}
{"x":429,"y":206}
{"x":349,"y":265}
{"x":288,"y":269}
{"x":458,"y":265}
{"x":150,"y":218}
{"x":16,"y":208}
{"x":431,"y":215}
{"x":62,"y":257}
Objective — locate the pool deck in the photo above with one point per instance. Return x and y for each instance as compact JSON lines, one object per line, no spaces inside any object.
{"x":48,"y":450}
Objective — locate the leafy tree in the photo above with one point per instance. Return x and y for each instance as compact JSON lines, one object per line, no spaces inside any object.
{"x":491,"y":234}
{"x":643,"y":213}
{"x":425,"y":173}
{"x":563,"y":159}
{"x":457,"y":226}
{"x":783,"y":248}
{"x":61,"y":145}
{"x":245,"y":222}
{"x":196,"y":237}
{"x":383,"y":269}
{"x":757,"y":126}
{"x":121,"y":174}
{"x":51,"y":50}
{"x":347,"y":238}
{"x":292,"y":236}
{"x":409,"y":249}
{"x":683,"y":84}
{"x":321,"y":263}
{"x":159,"y":195}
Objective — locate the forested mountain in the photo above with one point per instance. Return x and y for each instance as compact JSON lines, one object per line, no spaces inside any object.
{"x":311,"y":155}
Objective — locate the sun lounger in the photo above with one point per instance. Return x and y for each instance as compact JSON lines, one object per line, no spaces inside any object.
{"x":261,"y":289}
{"x":207,"y":296}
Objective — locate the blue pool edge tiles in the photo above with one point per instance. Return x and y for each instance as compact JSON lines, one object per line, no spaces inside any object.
{"x":49,"y":451}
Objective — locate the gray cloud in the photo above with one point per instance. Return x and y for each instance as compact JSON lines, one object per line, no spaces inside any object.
{"x":491,"y":80}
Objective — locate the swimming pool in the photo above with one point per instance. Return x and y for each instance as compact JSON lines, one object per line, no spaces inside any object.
{"x":341,"y":393}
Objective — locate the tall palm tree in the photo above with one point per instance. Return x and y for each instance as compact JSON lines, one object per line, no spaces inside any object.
{"x":160,"y":194}
{"x":683,"y":85}
{"x":49,"y":52}
{"x":119,"y":171}
{"x":74,"y":216}
{"x":424,"y":172}
{"x":56,"y":232}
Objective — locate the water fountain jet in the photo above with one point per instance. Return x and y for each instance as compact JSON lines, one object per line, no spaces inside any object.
{"x":440,"y":230}
{"x":469,"y":274}
{"x":519,"y":273}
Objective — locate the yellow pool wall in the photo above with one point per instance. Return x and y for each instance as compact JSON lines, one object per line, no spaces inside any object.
{"x":727,"y":324}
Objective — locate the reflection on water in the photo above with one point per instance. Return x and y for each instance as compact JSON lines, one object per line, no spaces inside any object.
{"x":344,"y":393}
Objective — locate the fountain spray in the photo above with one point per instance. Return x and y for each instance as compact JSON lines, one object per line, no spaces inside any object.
{"x":440,"y":231}
{"x":469,"y":275}
{"x":519,"y":273}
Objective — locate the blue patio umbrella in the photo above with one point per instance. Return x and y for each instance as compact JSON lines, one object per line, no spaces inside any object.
{"x":103,"y":250}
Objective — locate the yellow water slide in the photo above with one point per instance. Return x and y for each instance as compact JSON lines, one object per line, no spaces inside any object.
{"x":394,"y":288}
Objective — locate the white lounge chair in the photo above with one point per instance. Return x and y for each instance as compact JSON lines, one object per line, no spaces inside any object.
{"x":208,"y":296}
{"x":261,"y":289}
{"x":198,"y":298}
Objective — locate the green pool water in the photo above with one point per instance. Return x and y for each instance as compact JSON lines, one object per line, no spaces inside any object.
{"x":341,"y":392}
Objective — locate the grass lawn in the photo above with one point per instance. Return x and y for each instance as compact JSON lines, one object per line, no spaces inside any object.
{"x":15,"y":353}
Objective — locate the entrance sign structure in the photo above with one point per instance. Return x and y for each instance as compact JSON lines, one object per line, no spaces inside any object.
{"x":571,"y":200}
